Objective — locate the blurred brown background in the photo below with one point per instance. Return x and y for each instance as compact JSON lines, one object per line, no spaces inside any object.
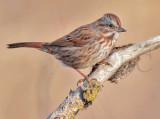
{"x":33,"y":84}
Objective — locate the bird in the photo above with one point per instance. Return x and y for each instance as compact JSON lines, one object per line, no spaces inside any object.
{"x":83,"y":47}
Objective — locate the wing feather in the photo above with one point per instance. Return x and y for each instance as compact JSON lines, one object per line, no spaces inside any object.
{"x":77,"y":38}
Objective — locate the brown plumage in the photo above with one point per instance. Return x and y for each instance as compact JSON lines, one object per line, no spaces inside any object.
{"x":85,"y":46}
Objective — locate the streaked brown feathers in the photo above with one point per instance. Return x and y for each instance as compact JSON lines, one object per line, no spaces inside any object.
{"x":78,"y":38}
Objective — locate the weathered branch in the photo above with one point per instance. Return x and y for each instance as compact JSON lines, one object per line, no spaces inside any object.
{"x":122,"y":62}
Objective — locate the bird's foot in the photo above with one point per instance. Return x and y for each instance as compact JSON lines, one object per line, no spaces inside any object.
{"x":81,"y":81}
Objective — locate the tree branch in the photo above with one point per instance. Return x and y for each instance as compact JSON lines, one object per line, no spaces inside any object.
{"x":122,"y":59}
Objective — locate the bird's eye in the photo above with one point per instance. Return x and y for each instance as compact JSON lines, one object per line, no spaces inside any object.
{"x":110,"y":25}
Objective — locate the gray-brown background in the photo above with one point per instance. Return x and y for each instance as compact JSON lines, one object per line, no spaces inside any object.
{"x":33,"y":84}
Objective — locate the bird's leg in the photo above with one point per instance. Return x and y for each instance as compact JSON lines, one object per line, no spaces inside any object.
{"x":81,"y":80}
{"x":85,"y":77}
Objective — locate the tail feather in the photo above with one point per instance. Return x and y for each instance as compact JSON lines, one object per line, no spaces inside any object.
{"x":43,"y":46}
{"x":27,"y":44}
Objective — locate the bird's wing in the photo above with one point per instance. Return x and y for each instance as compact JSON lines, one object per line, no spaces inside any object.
{"x":78,"y":38}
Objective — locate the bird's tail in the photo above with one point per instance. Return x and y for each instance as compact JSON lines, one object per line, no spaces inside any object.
{"x":43,"y":46}
{"x":38,"y":45}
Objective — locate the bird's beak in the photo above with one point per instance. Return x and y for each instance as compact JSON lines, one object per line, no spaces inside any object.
{"x":120,"y":29}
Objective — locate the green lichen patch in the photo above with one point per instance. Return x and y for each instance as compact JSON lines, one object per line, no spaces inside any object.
{"x":75,"y":107}
{"x":91,"y":91}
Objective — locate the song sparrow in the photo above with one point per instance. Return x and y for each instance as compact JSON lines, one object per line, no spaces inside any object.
{"x":85,"y":46}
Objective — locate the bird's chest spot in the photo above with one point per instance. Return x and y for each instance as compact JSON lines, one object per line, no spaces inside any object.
{"x":101,"y":48}
{"x":106,"y":46}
